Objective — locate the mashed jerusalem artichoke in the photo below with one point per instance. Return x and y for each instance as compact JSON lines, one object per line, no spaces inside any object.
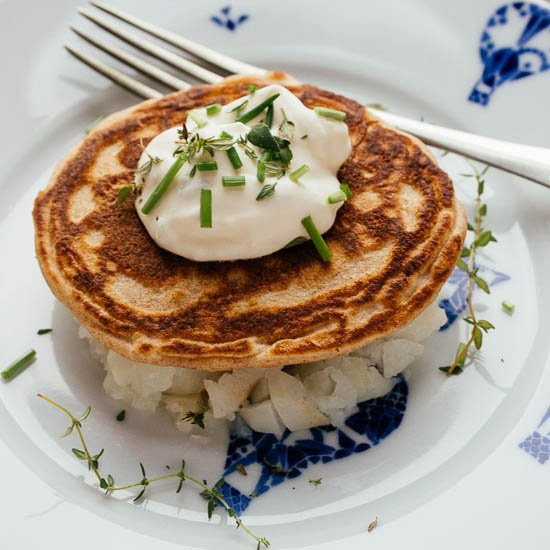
{"x":273,"y":399}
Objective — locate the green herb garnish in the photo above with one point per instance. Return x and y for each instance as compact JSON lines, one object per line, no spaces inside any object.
{"x":261,"y":136}
{"x":508,"y":307}
{"x":480,"y":238}
{"x":197,"y":417}
{"x":316,"y":482}
{"x":192,"y":145}
{"x":345,"y":188}
{"x":146,"y":167}
{"x":336,"y":197}
{"x":266,"y":191}
{"x":298,"y":173}
{"x":276,"y":469}
{"x":316,"y":237}
{"x":305,"y":136}
{"x":330,"y":113}
{"x":41,"y":331}
{"x":164,"y":184}
{"x":251,"y":88}
{"x":234,"y":158}
{"x":275,"y":169}
{"x":206,"y":208}
{"x":121,"y":415}
{"x":248,"y":151}
{"x":198,"y":116}
{"x":377,"y":106}
{"x":207,"y":165}
{"x":260,"y":170}
{"x":18,"y":366}
{"x":93,"y":124}
{"x":107,"y":483}
{"x":269,"y":116}
{"x":233,"y":181}
{"x":286,"y":128}
{"x":255,"y":111}
{"x":123,"y":193}
{"x":239,"y":107}
{"x":213,"y":109}
{"x":277,"y":154}
{"x":296,"y":242}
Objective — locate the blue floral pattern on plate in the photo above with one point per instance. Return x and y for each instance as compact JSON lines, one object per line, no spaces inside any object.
{"x":457,"y":302}
{"x":286,"y":457}
{"x":537,"y":444}
{"x":514,"y":44}
{"x":226,"y":20}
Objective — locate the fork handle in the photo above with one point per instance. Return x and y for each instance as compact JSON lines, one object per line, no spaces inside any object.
{"x":532,"y":163}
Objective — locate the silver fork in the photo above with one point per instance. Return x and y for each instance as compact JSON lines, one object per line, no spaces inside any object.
{"x":532,"y":163}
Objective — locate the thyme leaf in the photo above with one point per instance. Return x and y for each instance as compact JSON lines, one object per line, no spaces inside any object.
{"x":197,"y":417}
{"x":266,"y":191}
{"x":146,"y":167}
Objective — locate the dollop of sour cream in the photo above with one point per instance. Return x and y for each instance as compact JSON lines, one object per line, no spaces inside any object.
{"x":242,"y":226}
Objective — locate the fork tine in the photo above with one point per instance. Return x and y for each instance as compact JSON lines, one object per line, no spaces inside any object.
{"x":134,"y":61}
{"x":175,"y":60}
{"x":202,"y":52}
{"x":116,"y":76}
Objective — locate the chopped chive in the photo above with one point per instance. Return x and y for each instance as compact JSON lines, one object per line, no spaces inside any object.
{"x":233,"y":181}
{"x":163,"y":185}
{"x":251,"y":88}
{"x":297,"y":174}
{"x":41,"y":331}
{"x":304,"y":136}
{"x":213,"y":109}
{"x":18,"y":365}
{"x":318,"y":241}
{"x":234,"y":158}
{"x":121,"y":415}
{"x":269,"y":116}
{"x":345,"y":188}
{"x":206,"y":165}
{"x":198,"y":116}
{"x":508,"y":307}
{"x":206,"y":208}
{"x":337,"y":196}
{"x":330,"y":113}
{"x":255,"y":111}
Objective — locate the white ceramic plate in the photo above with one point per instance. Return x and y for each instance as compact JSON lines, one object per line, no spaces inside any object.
{"x":452,"y":463}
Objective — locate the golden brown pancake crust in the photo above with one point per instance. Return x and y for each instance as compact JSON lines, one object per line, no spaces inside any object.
{"x":394,"y":243}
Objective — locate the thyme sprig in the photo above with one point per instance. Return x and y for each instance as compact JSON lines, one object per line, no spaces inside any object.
{"x":192,"y":145}
{"x":146,"y":167}
{"x":481,"y":237}
{"x":197,"y":417}
{"x":213,"y":495}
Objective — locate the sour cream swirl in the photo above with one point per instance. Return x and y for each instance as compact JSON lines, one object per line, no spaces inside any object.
{"x":242,"y":226}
